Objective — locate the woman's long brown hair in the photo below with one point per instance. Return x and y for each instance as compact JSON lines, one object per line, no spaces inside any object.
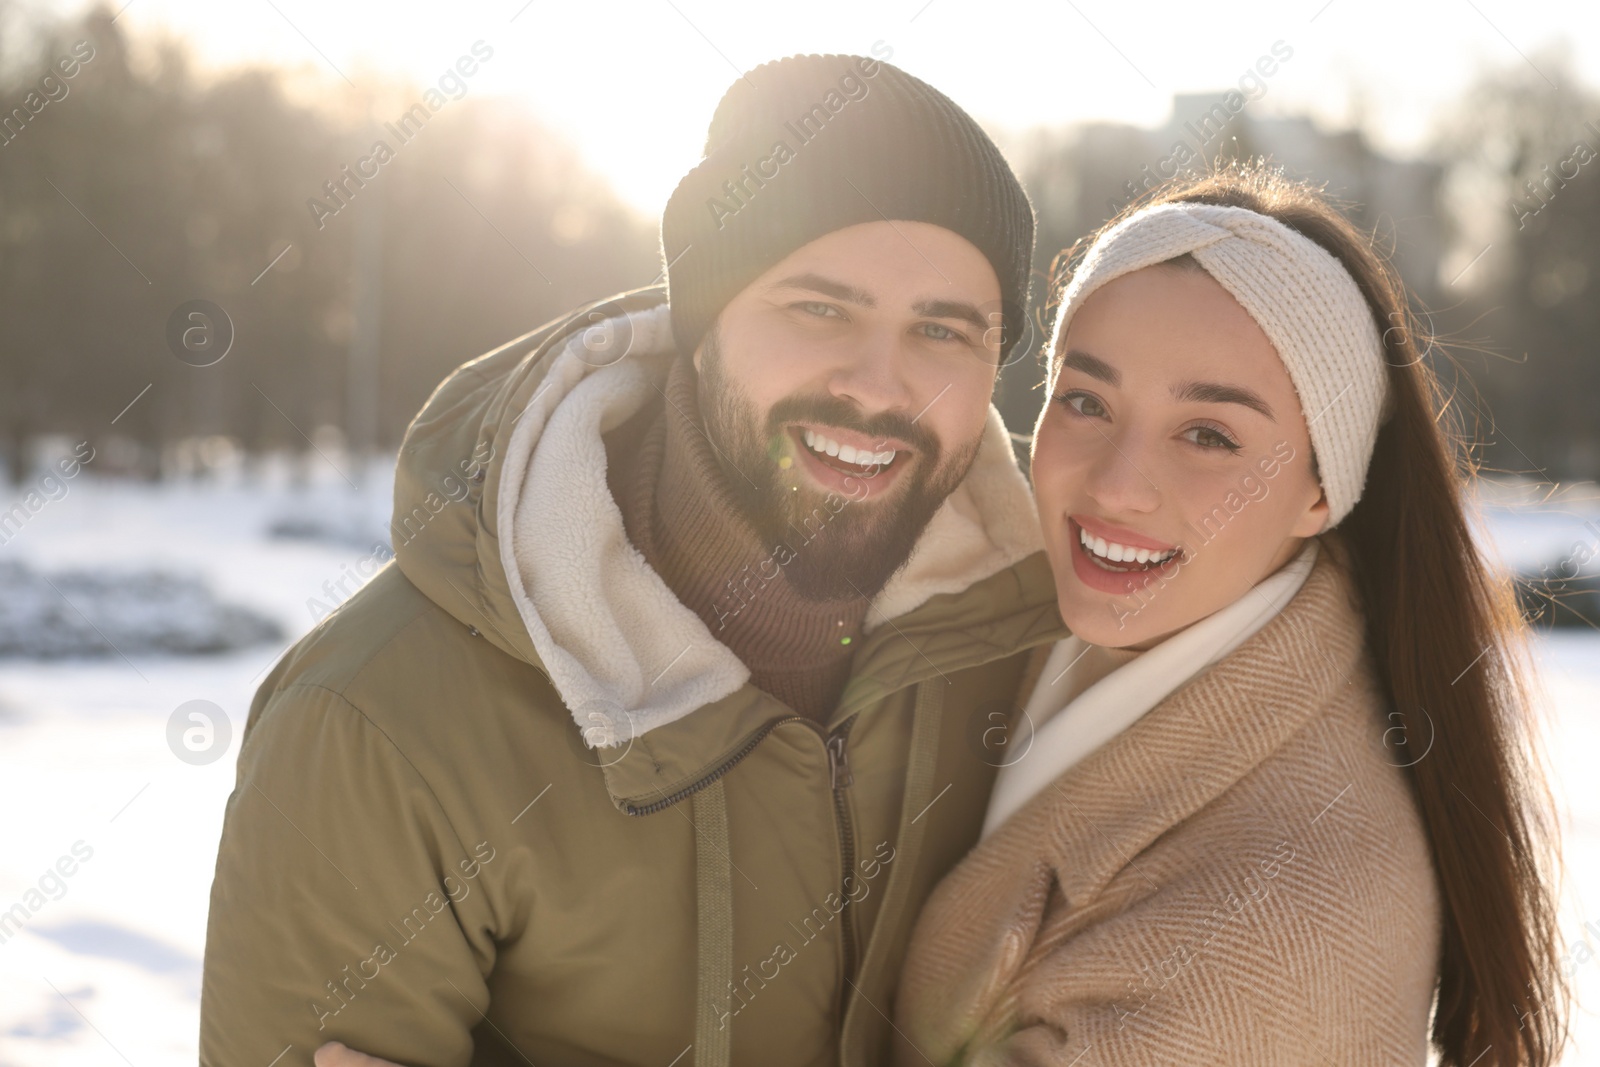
{"x":1450,"y":649}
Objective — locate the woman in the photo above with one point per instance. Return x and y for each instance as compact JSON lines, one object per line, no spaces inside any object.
{"x":1277,"y":803}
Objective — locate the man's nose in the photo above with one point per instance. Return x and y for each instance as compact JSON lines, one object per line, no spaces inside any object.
{"x":875,"y":374}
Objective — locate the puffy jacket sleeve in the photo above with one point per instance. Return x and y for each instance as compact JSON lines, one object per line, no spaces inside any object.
{"x":345,"y":906}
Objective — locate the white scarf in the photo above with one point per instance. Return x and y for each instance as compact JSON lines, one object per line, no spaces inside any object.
{"x":1057,"y":738}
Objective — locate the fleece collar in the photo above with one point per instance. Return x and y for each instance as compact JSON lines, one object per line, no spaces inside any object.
{"x":625,"y":654}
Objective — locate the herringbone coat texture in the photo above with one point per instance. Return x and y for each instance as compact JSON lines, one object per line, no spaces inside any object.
{"x":1241,"y":877}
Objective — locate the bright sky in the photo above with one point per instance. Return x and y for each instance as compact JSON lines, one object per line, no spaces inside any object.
{"x":634,"y":82}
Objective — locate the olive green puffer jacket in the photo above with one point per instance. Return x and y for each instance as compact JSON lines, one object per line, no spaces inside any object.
{"x":425,"y":858}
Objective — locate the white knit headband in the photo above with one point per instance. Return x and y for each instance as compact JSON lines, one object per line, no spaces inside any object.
{"x":1298,"y":293}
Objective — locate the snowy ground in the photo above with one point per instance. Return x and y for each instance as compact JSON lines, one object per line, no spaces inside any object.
{"x":107,"y":968}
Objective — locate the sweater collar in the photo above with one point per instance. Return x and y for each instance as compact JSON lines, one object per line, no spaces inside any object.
{"x":681,"y":515}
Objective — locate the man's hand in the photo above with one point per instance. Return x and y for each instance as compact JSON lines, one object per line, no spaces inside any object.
{"x":333,"y":1054}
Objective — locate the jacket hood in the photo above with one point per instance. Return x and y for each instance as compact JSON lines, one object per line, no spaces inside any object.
{"x":526,"y":545}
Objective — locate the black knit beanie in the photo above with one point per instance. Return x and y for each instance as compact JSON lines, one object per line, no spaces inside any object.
{"x":803,"y":146}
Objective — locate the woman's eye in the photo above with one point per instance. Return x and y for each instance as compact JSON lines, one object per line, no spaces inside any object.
{"x":1210,"y":437}
{"x":1085,"y":404}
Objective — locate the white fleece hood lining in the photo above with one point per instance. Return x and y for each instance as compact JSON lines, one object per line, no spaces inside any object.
{"x":624,"y":653}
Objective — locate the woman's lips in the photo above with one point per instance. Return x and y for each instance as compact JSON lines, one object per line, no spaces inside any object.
{"x":1120,"y":534}
{"x":1112,"y":577}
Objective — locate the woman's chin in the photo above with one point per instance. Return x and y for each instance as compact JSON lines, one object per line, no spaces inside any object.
{"x":1119,"y":621}
{"x":1097,"y":618}
{"x":1118,"y":606}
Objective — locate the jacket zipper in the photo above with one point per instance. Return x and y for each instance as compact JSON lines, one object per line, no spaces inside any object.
{"x":840,"y":778}
{"x":726,"y":766}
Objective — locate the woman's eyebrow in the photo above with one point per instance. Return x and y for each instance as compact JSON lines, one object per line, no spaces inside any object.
{"x":1216,"y":393}
{"x":1092,"y":366}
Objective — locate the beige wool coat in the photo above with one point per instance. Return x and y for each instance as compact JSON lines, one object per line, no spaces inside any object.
{"x":1240,"y":877}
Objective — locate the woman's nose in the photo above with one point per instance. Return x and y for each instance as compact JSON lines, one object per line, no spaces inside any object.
{"x":1121,"y":478}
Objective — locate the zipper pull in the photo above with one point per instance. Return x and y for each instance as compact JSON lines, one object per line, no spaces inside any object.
{"x":838,"y":764}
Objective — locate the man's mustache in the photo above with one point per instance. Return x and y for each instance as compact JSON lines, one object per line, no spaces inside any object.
{"x":832,"y":411}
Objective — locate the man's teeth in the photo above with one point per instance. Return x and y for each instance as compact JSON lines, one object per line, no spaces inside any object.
{"x":1111,"y":550}
{"x":850,"y":454}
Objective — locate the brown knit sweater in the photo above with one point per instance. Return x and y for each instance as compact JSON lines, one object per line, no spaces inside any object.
{"x":678,"y":513}
{"x":1241,"y":877}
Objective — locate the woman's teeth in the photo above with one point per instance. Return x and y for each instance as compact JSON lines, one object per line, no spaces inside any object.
{"x":827,"y":446}
{"x":1100,"y":549}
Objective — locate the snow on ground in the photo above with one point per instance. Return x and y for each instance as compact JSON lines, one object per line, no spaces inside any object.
{"x":107,"y":968}
{"x":97,"y":611}
{"x":110,"y":837}
{"x":1570,"y":675}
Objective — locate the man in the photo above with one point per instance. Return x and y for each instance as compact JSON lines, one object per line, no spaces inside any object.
{"x":658,"y":738}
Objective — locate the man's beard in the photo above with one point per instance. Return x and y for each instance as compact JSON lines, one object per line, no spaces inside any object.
{"x":839,"y":548}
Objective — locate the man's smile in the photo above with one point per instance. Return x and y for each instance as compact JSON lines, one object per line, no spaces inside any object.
{"x":848,"y":462}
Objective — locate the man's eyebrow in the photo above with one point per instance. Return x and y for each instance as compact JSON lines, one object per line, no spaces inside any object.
{"x":951,"y":309}
{"x":828,"y":287}
{"x":1216,"y":393}
{"x":1092,"y":366}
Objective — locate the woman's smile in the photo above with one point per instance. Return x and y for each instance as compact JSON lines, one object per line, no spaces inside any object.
{"x":1115,"y":560}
